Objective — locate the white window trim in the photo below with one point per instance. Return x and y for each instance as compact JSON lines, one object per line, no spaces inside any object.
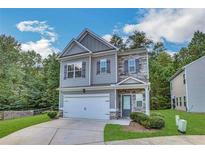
{"x":74,"y":69}
{"x":132,"y":66}
{"x":103,"y":60}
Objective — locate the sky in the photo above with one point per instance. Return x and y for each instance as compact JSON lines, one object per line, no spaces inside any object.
{"x":50,"y":30}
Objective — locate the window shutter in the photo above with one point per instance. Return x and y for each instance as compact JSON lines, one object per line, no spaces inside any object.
{"x":137,"y":65}
{"x":108,"y":66}
{"x":65,"y":71}
{"x":83,"y":69}
{"x":126,"y":66}
{"x":98,"y":67}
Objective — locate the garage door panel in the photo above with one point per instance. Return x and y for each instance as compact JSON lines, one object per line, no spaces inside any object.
{"x":93,"y":107}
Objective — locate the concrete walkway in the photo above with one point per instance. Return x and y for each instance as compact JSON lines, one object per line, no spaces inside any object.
{"x":166,"y":140}
{"x":60,"y":132}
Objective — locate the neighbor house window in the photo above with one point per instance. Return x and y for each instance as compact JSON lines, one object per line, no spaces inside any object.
{"x":177,"y":101}
{"x":75,"y":70}
{"x":103,"y":66}
{"x":131,"y":65}
{"x":180,"y":101}
{"x":184,"y":79}
{"x":184,"y":100}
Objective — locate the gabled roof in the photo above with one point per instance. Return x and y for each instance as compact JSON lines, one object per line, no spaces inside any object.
{"x":86,"y":31}
{"x":184,"y":67}
{"x":126,"y":81}
{"x":71,"y":44}
{"x":105,"y":45}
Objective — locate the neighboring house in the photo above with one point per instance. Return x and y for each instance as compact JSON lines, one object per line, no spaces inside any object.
{"x":188,"y":87}
{"x":97,"y":81}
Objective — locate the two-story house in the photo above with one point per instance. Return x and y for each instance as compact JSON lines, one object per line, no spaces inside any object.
{"x":187,"y":87}
{"x":97,"y":81}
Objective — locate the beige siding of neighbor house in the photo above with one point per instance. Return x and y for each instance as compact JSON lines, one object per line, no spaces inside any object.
{"x":178,"y":90}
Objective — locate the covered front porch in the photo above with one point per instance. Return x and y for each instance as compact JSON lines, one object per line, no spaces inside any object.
{"x":132,"y":97}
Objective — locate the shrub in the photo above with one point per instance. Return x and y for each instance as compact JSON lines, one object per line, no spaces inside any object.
{"x":156,"y":114}
{"x":155,"y":122}
{"x":52,"y":114}
{"x":138,"y":117}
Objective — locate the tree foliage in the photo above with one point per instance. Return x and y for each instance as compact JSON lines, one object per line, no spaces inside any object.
{"x":26,"y":81}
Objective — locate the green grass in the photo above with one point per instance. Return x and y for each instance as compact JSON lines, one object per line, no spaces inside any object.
{"x":10,"y":126}
{"x":195,"y":126}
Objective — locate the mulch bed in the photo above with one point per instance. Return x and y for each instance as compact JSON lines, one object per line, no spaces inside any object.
{"x":135,"y":127}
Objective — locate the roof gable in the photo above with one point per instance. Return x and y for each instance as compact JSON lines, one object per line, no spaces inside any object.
{"x":94,"y":42}
{"x":73,"y":48}
{"x":131,"y":80}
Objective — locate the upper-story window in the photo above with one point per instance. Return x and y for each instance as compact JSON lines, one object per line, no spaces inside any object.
{"x":131,"y":65}
{"x":74,"y":70}
{"x":103,"y":65}
{"x":70,"y":70}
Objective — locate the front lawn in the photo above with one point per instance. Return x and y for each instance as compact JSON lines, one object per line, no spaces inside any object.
{"x":10,"y":126}
{"x":195,"y":126}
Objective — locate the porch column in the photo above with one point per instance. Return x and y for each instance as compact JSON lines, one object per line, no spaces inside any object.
{"x":147,"y":101}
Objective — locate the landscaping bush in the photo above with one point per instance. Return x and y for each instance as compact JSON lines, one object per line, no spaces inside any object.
{"x":156,"y":114}
{"x":138,"y":117}
{"x":155,"y":122}
{"x":52,"y":114}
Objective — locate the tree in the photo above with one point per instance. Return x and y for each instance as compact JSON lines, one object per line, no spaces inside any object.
{"x":26,"y":81}
{"x":138,"y":40}
{"x":195,"y":50}
{"x":117,"y":41}
{"x":51,"y":76}
{"x":161,"y":69}
{"x":158,"y":47}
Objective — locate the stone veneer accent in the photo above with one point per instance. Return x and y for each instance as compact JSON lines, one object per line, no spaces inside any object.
{"x":133,"y":93}
{"x":142,"y":74}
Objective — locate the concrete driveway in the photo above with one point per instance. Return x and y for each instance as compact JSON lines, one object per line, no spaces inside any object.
{"x":60,"y":132}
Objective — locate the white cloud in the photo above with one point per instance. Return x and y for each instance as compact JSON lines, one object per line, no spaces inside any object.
{"x":44,"y":46}
{"x":107,"y":37}
{"x":174,"y":25}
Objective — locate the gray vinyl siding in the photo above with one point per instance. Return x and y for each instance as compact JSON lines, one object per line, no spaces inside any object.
{"x":105,"y":78}
{"x":111,"y":92}
{"x":73,"y":82}
{"x":195,"y":79}
{"x":93,"y":44}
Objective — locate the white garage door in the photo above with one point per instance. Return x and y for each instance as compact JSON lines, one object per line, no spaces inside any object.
{"x":91,"y":106}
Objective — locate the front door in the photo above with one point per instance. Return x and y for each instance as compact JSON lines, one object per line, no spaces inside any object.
{"x":126,"y":105}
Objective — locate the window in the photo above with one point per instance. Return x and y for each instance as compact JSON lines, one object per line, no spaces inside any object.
{"x":170,"y":85}
{"x":177,"y":101}
{"x":185,"y":101}
{"x":131,"y":65}
{"x":103,"y":66}
{"x":75,"y":70}
{"x":184,"y":79}
{"x":139,"y":103}
{"x":180,"y":101}
{"x":71,"y":71}
{"x":78,"y":69}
